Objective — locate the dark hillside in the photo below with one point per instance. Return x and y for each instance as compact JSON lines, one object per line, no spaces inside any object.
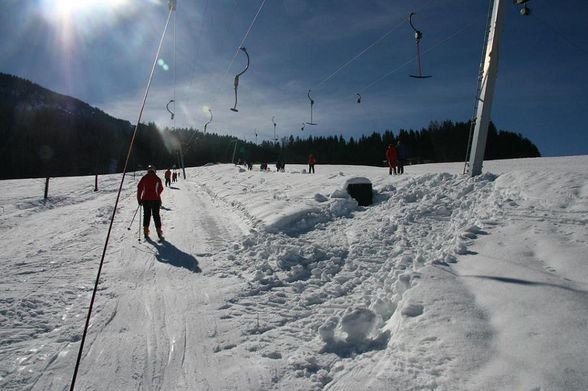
{"x":44,"y":133}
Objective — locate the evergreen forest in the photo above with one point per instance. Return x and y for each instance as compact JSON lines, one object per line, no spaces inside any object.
{"x":46,"y":134}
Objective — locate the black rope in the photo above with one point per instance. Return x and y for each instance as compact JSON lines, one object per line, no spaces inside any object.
{"x":73,"y":380}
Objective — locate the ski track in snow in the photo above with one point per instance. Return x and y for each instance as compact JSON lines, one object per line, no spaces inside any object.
{"x":44,"y":257}
{"x":263,"y":283}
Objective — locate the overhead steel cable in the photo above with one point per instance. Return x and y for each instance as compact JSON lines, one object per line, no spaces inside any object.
{"x":560,"y":35}
{"x":245,"y":37}
{"x":175,"y":74}
{"x":358,"y":55}
{"x":413,"y":59}
{"x":401,"y":22}
{"x":83,"y":339}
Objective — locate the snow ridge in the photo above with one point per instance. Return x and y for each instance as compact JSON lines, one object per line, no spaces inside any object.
{"x":354,"y":271}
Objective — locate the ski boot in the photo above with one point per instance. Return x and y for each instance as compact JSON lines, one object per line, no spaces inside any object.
{"x":160,"y":234}
{"x":146,"y":232}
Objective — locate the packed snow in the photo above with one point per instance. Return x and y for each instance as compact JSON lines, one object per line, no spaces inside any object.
{"x":281,"y":281}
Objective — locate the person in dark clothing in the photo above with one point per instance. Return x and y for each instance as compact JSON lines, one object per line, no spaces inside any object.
{"x":311,"y":163}
{"x":167,"y":176}
{"x":149,"y":196}
{"x":402,"y":157}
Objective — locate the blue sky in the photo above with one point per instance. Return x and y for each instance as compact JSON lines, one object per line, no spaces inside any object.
{"x":102,"y":52}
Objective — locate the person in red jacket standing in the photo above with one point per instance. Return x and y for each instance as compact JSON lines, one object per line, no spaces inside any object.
{"x":149,"y":196}
{"x":392,"y":156}
{"x":311,"y":163}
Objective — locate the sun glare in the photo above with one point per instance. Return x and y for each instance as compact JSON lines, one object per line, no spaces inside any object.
{"x":74,"y":8}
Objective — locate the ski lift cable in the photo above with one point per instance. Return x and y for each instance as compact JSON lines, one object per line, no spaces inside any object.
{"x":311,"y":105}
{"x":436,"y":45}
{"x":361,"y":53}
{"x":194,"y":133}
{"x":196,"y":51}
{"x":418,"y":35}
{"x":175,"y":75}
{"x":374,"y":118}
{"x":245,"y":37}
{"x":172,"y":114}
{"x":240,"y":47}
{"x":236,"y":81}
{"x":560,"y":34}
{"x":148,"y":87}
{"x":358,"y":55}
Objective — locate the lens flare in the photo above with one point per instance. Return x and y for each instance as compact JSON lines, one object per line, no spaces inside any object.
{"x":161,"y":62}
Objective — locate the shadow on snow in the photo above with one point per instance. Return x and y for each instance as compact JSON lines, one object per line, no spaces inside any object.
{"x":170,"y":254}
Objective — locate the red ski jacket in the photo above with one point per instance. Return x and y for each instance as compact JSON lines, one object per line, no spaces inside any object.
{"x":311,"y":159}
{"x":149,"y":187}
{"x":391,"y":154}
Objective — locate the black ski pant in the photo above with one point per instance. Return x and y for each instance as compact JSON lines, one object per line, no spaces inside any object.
{"x":311,"y":168}
{"x":151,"y":208}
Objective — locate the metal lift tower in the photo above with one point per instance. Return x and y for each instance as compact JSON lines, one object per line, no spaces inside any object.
{"x":486,"y":89}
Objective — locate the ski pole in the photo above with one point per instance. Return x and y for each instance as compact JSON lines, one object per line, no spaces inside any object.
{"x":133,"y":219}
{"x":139,"y":239}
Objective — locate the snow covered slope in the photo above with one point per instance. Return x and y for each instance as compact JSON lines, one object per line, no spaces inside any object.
{"x":281,"y":281}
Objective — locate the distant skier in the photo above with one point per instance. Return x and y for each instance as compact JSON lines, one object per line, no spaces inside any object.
{"x":174,"y":176}
{"x":168,"y":175}
{"x":149,"y":196}
{"x":402,"y":156}
{"x":311,"y":163}
{"x":392,"y":157}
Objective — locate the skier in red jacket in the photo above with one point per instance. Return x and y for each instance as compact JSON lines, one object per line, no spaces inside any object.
{"x":148,"y":195}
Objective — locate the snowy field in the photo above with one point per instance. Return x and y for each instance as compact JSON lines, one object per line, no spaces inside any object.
{"x":280,"y":281}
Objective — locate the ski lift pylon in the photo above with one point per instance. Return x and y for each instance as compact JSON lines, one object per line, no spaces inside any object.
{"x":236,"y":82}
{"x":418,"y":35}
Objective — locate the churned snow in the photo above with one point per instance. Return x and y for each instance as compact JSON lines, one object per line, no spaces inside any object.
{"x":273,"y":280}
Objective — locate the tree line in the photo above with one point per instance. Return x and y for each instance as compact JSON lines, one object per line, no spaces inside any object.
{"x":48,"y":134}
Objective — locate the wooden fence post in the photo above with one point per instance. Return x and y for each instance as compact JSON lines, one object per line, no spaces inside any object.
{"x":46,"y":187}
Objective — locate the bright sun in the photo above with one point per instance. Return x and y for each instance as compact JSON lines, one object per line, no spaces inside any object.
{"x":73,"y":8}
